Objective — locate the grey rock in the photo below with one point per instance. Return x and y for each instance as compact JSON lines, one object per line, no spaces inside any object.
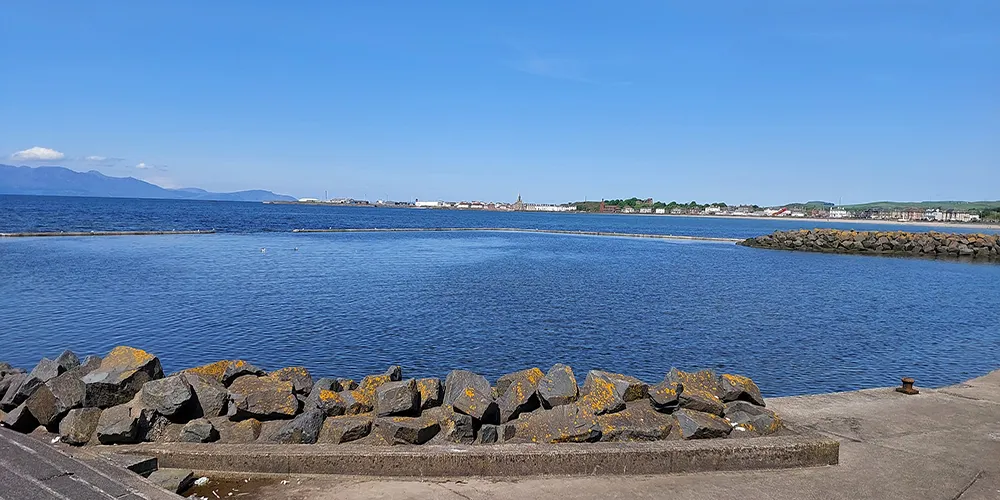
{"x":639,"y":421}
{"x":347,"y":384}
{"x":487,"y":434}
{"x":430,"y":392}
{"x":263,"y":398}
{"x":751,"y":420}
{"x":47,"y":369}
{"x":211,"y":397}
{"x":458,"y":381}
{"x":478,"y":404}
{"x":171,"y":397}
{"x":562,"y":424}
{"x":518,"y":393}
{"x":55,"y":398}
{"x":22,"y":386}
{"x":699,"y":400}
{"x":20,"y":419}
{"x":302,"y":381}
{"x":703,"y":380}
{"x":700,"y":425}
{"x":558,"y":387}
{"x":172,"y":480}
{"x":328,"y":384}
{"x":120,"y":424}
{"x":665,"y":396}
{"x":244,"y":431}
{"x":346,"y":428}
{"x":407,"y":430}
{"x":303,"y":429}
{"x":329,"y":402}
{"x":397,"y":398}
{"x":79,"y":425}
{"x":199,"y":430}
{"x":395,"y":373}
{"x":121,"y":374}
{"x":68,"y":360}
{"x":739,"y":388}
{"x":627,"y":388}
{"x":455,"y":427}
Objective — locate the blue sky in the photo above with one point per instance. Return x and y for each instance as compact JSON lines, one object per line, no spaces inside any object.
{"x":765,"y":101}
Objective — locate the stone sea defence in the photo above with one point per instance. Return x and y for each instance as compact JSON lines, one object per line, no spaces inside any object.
{"x":977,"y":247}
{"x":125,"y":398}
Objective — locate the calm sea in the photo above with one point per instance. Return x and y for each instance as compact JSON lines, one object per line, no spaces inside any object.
{"x":351,"y":304}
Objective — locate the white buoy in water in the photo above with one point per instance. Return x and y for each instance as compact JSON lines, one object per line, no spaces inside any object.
{"x":263,"y":250}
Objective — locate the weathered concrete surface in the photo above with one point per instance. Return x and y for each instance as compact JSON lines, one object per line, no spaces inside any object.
{"x":942,"y":444}
{"x":34,"y":470}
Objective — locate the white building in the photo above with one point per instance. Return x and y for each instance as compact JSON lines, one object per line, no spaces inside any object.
{"x":712,"y":210}
{"x":645,"y":210}
{"x":533,"y":207}
{"x":661,"y":210}
{"x":429,"y":204}
{"x":839,"y":213}
{"x":308,"y":200}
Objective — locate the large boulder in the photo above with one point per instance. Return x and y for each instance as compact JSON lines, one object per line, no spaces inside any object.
{"x":397,"y":398}
{"x":302,"y":381}
{"x":430,"y":392}
{"x":329,"y":402}
{"x":199,"y":430}
{"x":263,"y":398}
{"x":122,"y":373}
{"x":21,"y":387}
{"x":478,"y":404}
{"x":637,"y":422}
{"x":244,"y":431}
{"x":626,"y":387}
{"x":407,"y":430}
{"x":455,"y":427}
{"x":55,"y":398}
{"x":362,"y":399}
{"x":211,"y":397}
{"x":327,"y":384}
{"x":173,"y":480}
{"x":346,"y":428}
{"x":750,"y":420}
{"x":68,"y":360}
{"x":700,"y":425}
{"x":604,"y":392}
{"x":121,"y":424}
{"x":558,"y":387}
{"x":458,"y":381}
{"x":739,"y":388}
{"x":702,"y":390}
{"x":20,"y":419}
{"x":79,"y":425}
{"x":562,"y":424}
{"x":303,"y":429}
{"x":517,"y":393}
{"x":665,"y":396}
{"x":171,"y":397}
{"x":226,"y":371}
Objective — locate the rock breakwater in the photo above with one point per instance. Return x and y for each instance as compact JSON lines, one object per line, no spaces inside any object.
{"x":125,"y":397}
{"x":978,"y":247}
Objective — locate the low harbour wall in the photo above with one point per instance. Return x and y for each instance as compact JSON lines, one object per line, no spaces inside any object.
{"x":973,"y":247}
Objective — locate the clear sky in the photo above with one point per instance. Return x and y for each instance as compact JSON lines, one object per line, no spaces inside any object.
{"x":738,"y":101}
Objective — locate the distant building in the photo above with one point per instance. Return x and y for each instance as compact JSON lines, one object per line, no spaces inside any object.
{"x":429,"y":204}
{"x":839,"y":213}
{"x":518,"y":205}
{"x":628,"y":210}
{"x":645,"y":210}
{"x":661,"y":210}
{"x":308,"y":200}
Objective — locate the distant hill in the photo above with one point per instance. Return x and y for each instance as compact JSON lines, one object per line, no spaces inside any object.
{"x":60,"y":181}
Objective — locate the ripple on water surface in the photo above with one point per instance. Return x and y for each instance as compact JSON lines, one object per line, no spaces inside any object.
{"x":350,"y":304}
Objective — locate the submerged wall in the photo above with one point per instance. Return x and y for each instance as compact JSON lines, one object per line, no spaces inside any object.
{"x":978,"y":247}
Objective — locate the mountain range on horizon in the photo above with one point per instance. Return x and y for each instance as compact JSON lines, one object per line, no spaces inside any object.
{"x":61,"y":181}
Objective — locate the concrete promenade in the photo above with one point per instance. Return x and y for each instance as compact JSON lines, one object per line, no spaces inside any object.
{"x":941,"y":444}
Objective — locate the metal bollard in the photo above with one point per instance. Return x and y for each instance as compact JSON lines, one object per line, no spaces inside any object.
{"x":907,"y":387}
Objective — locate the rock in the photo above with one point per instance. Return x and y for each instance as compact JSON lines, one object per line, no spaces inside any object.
{"x":562,"y":424}
{"x":397,"y":398}
{"x":47,"y":369}
{"x":430,"y":392}
{"x":699,"y":400}
{"x":476,"y":403}
{"x":303,"y":429}
{"x":407,"y":430}
{"x":173,"y":480}
{"x":327,"y":384}
{"x":347,"y":384}
{"x":171,"y":397}
{"x":628,"y":388}
{"x":244,"y":431}
{"x":8,"y":379}
{"x":518,"y":393}
{"x":55,"y":398}
{"x":269,"y":431}
{"x":665,"y":396}
{"x":120,"y":424}
{"x":211,"y":397}
{"x":344,"y":429}
{"x":263,"y":398}
{"x":751,"y":420}
{"x":458,"y":381}
{"x":637,"y":422}
{"x":702,"y":390}
{"x":488,"y":434}
{"x":363,"y":398}
{"x":89,"y":364}
{"x":159,"y":429}
{"x":736,"y":387}
{"x":302,"y":381}
{"x":226,"y":371}
{"x":395,"y":373}
{"x":603,"y":393}
{"x":700,"y":425}
{"x":455,"y":427}
{"x":68,"y":360}
{"x":354,"y":405}
{"x":20,"y":419}
{"x":199,"y":430}
{"x":329,"y":402}
{"x":79,"y":425}
{"x":558,"y":387}
{"x":22,"y":386}
{"x":121,"y":374}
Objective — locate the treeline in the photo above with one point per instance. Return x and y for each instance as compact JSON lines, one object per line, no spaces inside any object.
{"x":637,"y":203}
